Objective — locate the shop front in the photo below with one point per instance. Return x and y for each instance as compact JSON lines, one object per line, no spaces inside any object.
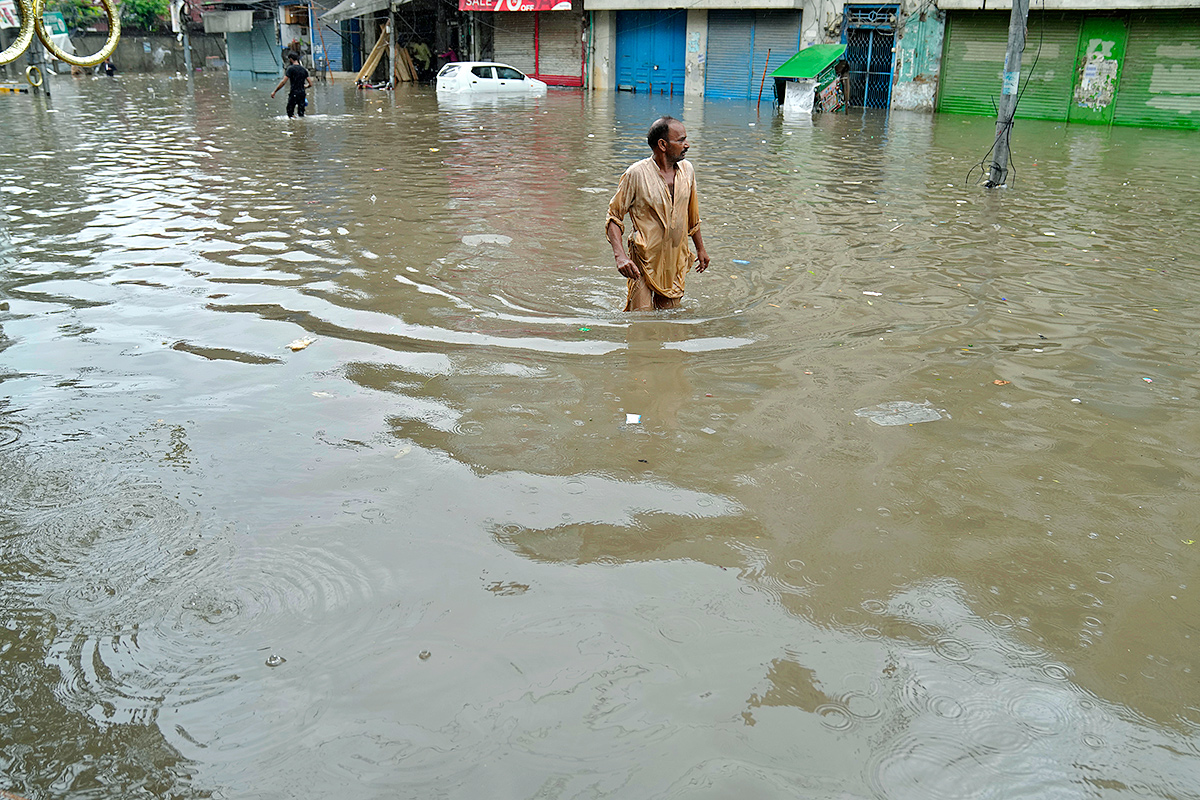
{"x":1135,"y":67}
{"x":745,"y":46}
{"x":542,"y":38}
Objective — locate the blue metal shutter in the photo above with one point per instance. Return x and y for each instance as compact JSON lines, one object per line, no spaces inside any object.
{"x":776,"y":32}
{"x":264,"y":42}
{"x":332,"y":43}
{"x":730,"y":53}
{"x":240,"y":54}
{"x":738,"y":44}
{"x":1160,"y":82}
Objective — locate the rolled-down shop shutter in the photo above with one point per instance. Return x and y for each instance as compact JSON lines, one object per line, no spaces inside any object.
{"x":513,"y":39}
{"x":560,"y":47}
{"x":738,"y":44}
{"x":777,"y":34}
{"x":265,"y":55}
{"x":730,"y":43}
{"x":1048,"y":65}
{"x":973,"y":64}
{"x":1160,"y":80}
{"x":544,"y":44}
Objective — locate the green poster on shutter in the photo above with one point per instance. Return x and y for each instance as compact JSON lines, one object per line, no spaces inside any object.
{"x":1098,"y":70}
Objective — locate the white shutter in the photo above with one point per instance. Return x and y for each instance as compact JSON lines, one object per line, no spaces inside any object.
{"x":560,"y":45}
{"x":513,"y":39}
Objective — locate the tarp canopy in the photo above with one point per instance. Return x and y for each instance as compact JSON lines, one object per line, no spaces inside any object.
{"x":514,"y":5}
{"x":354,"y":8}
{"x":810,"y":62}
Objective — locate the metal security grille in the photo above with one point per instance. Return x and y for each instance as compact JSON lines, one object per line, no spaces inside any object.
{"x":869,"y":33}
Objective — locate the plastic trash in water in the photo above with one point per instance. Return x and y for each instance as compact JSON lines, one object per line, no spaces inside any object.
{"x":740,"y":261}
{"x":901,"y":412}
{"x":300,"y":344}
{"x":633,"y":419}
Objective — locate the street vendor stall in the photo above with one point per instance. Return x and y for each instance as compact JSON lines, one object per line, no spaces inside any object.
{"x":809,"y":81}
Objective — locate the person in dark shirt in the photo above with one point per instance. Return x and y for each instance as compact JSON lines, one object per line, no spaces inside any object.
{"x":300,"y":81}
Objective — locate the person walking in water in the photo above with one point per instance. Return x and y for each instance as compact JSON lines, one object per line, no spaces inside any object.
{"x":300,"y":81}
{"x":659,"y":195}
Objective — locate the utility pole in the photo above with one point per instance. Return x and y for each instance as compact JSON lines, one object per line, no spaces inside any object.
{"x":1008,"y":92}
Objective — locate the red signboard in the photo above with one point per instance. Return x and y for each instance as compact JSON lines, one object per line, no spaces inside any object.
{"x":514,"y":5}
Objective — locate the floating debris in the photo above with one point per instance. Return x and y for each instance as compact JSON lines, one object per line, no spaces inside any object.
{"x":900,"y":412}
{"x":300,"y":344}
{"x":999,"y":382}
{"x":424,"y":655}
{"x":274,"y":660}
{"x":486,"y":238}
{"x":633,"y":419}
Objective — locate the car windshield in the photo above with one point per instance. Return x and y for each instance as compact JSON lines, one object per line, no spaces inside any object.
{"x":509,"y":74}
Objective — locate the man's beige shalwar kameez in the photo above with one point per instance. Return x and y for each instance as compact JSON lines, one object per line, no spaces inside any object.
{"x":661,"y":224}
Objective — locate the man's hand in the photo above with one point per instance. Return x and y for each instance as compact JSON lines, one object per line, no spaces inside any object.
{"x":273,"y":94}
{"x":626,"y":267}
{"x":701,"y":259}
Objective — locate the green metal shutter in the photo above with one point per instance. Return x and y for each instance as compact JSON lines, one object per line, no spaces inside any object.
{"x":973,"y":64}
{"x":1049,"y":84}
{"x":730,"y":52}
{"x":1160,"y":81}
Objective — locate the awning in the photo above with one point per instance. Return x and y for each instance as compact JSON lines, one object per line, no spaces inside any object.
{"x":810,"y":62}
{"x":354,"y":8}
{"x":514,"y":5}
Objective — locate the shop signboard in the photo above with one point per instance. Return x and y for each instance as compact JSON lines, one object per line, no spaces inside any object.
{"x":514,"y":5}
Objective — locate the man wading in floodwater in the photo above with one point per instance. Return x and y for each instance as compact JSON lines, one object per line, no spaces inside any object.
{"x":659,"y":195}
{"x":298,"y":75}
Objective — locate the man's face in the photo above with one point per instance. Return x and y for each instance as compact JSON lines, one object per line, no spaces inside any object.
{"x":676,"y":142}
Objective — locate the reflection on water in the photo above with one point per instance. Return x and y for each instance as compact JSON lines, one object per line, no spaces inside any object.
{"x":481,"y":580}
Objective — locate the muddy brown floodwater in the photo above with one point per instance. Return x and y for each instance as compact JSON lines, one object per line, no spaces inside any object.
{"x":427,"y":557}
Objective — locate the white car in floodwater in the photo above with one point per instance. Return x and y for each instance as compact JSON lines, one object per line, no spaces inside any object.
{"x":486,"y":77}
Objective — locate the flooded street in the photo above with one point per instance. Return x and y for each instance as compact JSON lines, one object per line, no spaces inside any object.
{"x":427,"y":557}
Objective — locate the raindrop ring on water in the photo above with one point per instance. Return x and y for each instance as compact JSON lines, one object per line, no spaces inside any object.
{"x":33,"y":22}
{"x":110,"y":44}
{"x":24,"y":36}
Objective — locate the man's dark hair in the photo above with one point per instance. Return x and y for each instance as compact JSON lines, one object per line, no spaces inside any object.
{"x":660,"y":129}
{"x":293,"y":57}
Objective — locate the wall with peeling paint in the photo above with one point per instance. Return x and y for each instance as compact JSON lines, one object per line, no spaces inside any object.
{"x":918,"y":58}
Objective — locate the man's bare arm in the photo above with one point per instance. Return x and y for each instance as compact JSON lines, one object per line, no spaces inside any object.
{"x":280,"y":86}
{"x":701,"y":253}
{"x":625,"y":264}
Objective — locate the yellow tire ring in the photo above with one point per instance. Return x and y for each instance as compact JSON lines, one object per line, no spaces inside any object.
{"x":33,"y":74}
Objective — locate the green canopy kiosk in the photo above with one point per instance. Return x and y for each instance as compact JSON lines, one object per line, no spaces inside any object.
{"x":808,"y":81}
